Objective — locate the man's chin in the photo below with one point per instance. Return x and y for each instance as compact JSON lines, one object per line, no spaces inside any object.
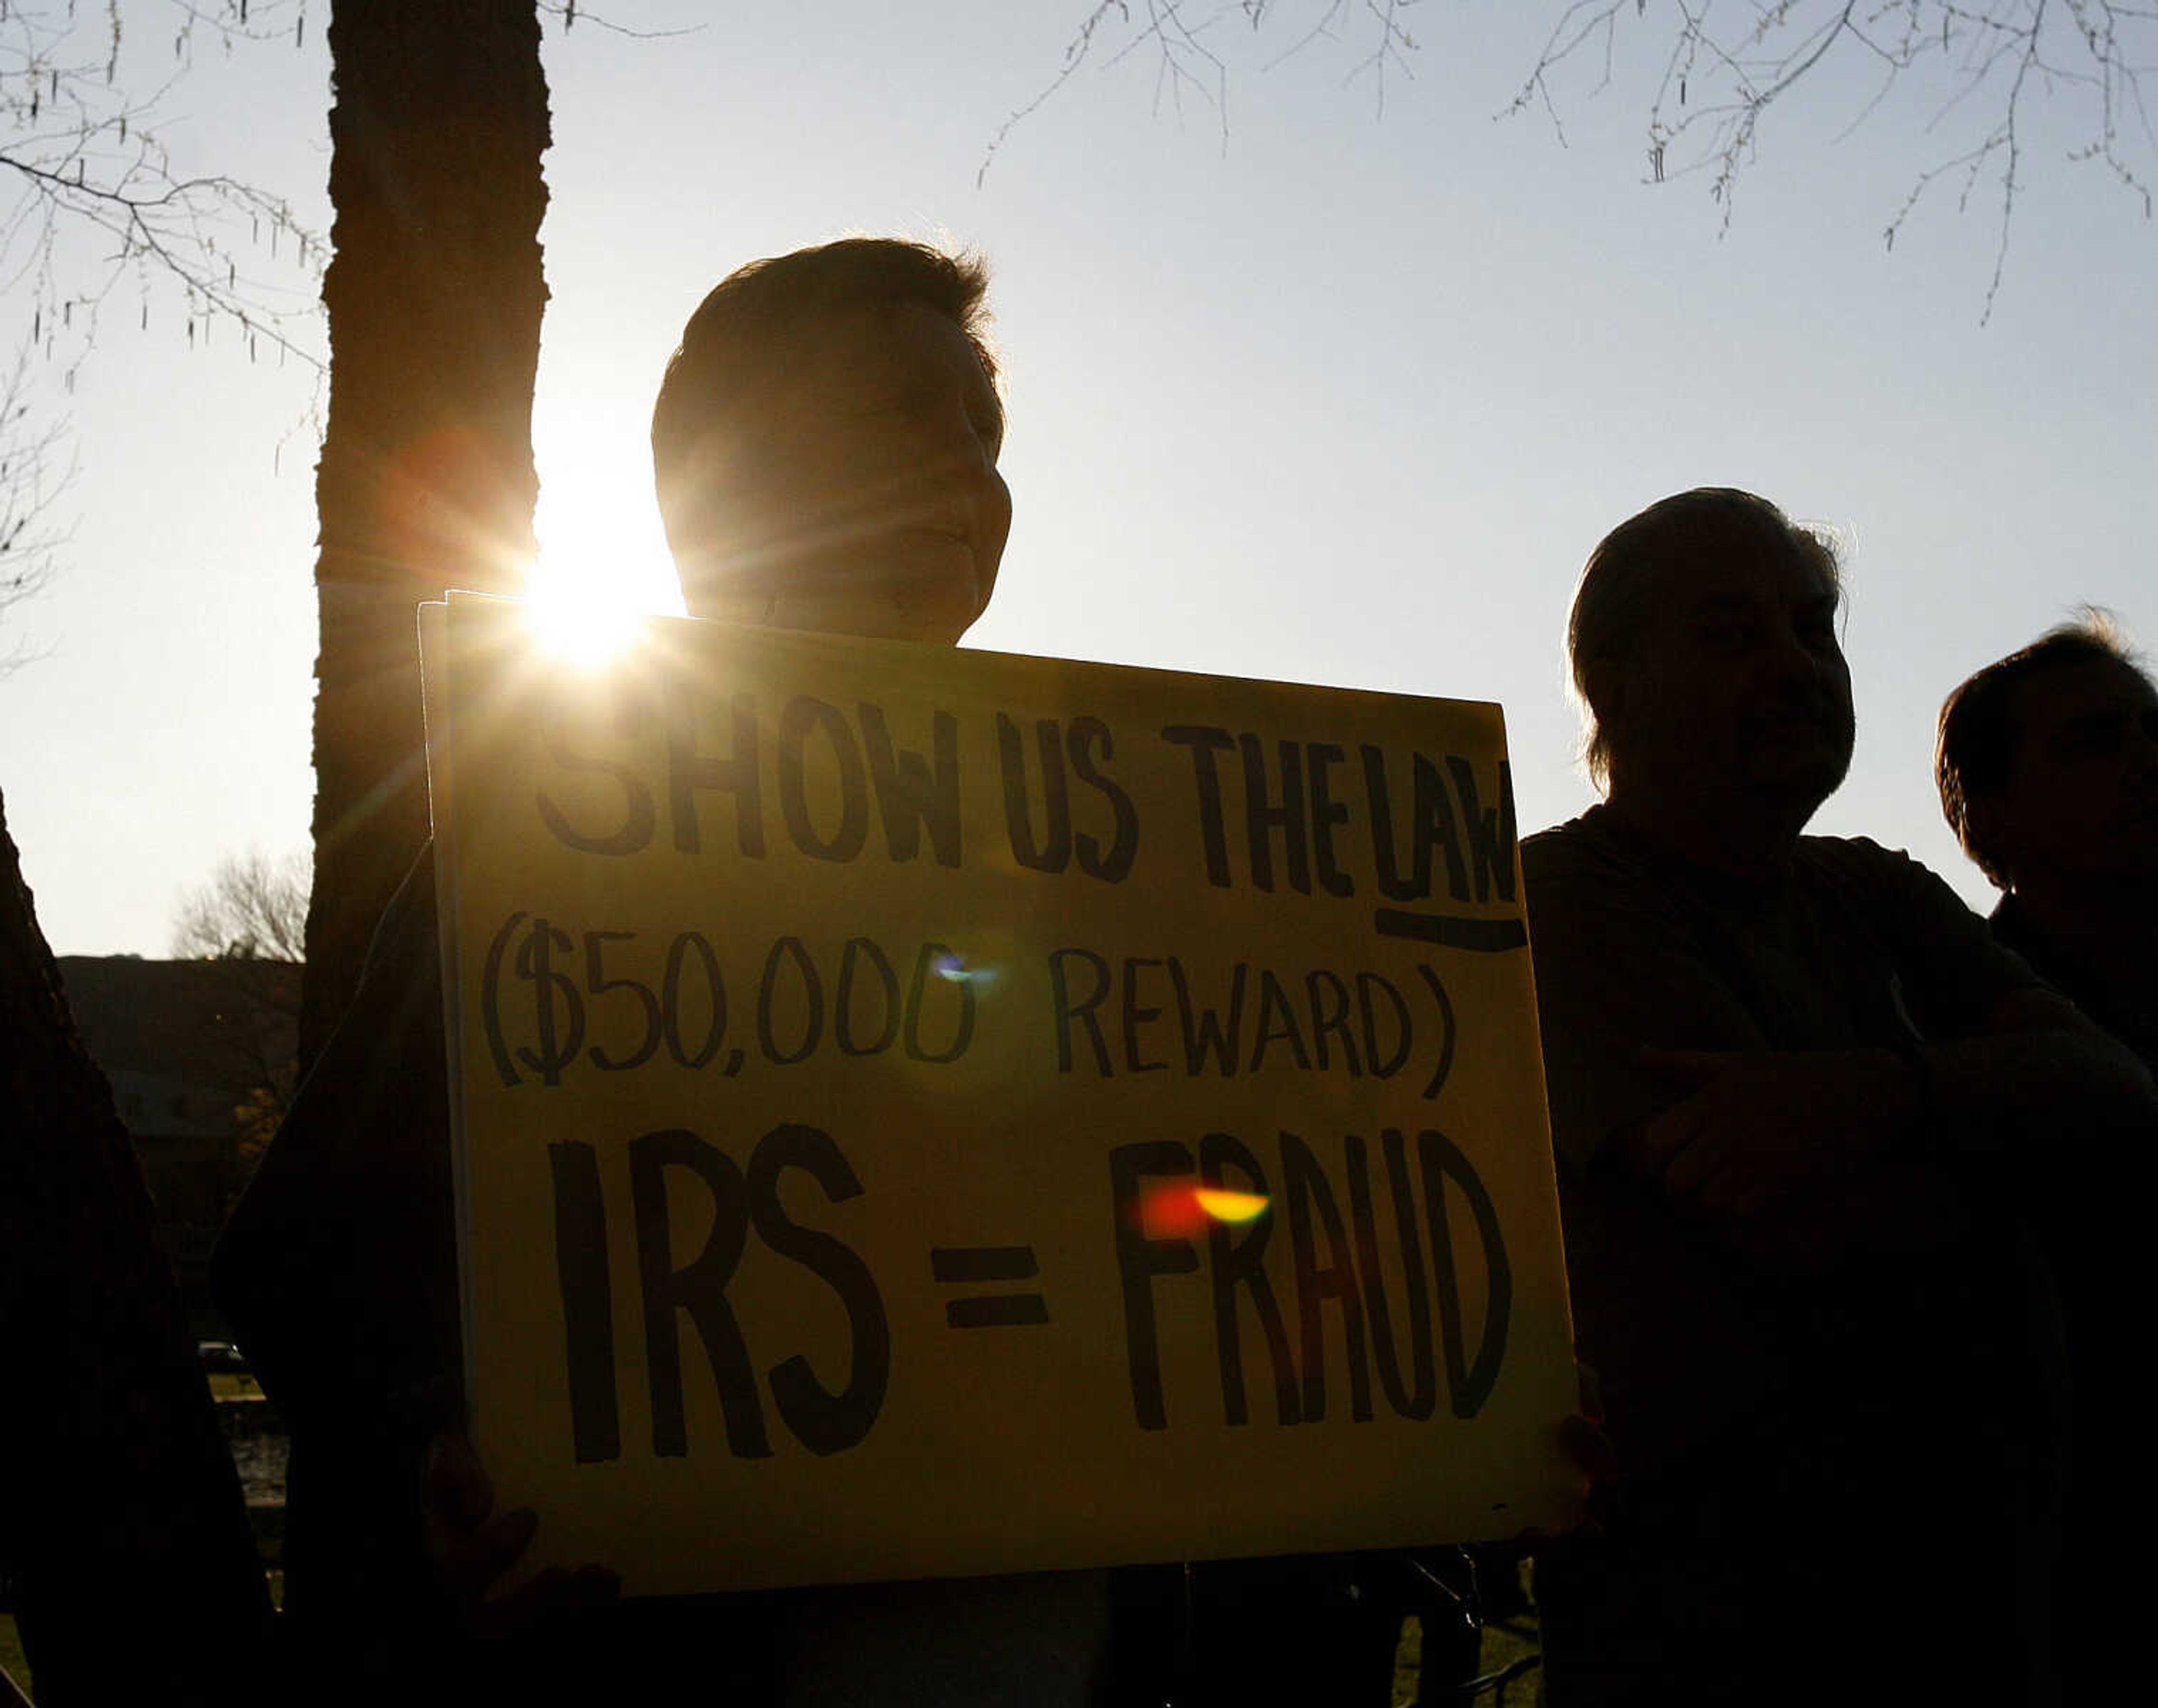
{"x":903,"y":610}
{"x":917,"y":587}
{"x":1798,"y":779}
{"x":1808,"y":787}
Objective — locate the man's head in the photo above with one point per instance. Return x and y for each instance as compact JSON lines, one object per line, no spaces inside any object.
{"x":2047,"y":763}
{"x":825,"y":444}
{"x":1704,"y":652}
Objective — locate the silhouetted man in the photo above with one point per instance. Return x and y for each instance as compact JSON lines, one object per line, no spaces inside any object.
{"x":825,"y":446}
{"x":2047,"y":763}
{"x":1791,"y":1081}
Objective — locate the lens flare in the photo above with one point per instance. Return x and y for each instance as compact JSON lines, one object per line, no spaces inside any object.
{"x":954,"y":969}
{"x":1179,"y":1210}
{"x":1225,"y":1205}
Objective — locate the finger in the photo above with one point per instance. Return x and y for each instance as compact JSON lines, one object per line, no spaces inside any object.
{"x":1777,"y":1246}
{"x":473,"y":1562}
{"x":518,"y":1611}
{"x":1747,"y":1197}
{"x":564,"y":1589}
{"x":1696,"y":1067}
{"x":1590,"y":1386}
{"x":1589,"y":1448}
{"x":1665,"y":1136}
{"x":1766,"y":1177}
{"x":555,"y":1591}
{"x":1705,"y":1153}
{"x":1735,"y":1177}
{"x":1728,"y":1194}
{"x":455,"y":1485}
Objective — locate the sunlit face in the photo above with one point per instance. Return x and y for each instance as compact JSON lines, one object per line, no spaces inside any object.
{"x":2081,"y":801}
{"x":1738,"y":686}
{"x":864,"y":497}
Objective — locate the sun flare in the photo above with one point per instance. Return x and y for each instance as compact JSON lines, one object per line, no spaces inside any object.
{"x":580,"y":621}
{"x":603,"y":565}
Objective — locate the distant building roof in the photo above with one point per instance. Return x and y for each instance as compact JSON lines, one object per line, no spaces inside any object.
{"x":213,"y":1028}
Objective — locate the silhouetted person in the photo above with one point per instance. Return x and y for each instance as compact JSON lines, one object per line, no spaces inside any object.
{"x":2047,"y":763}
{"x":125,"y":1547}
{"x":1793,"y":1085}
{"x":825,"y":444}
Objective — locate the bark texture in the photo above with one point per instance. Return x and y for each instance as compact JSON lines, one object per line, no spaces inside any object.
{"x":434,"y":294}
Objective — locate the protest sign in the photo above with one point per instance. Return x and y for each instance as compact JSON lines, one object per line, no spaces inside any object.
{"x":925,"y":1113}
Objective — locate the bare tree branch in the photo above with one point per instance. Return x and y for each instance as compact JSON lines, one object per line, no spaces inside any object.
{"x":571,"y":14}
{"x":1183,"y":62}
{"x":90,"y":200}
{"x":252,"y":908}
{"x":1181,"y":35}
{"x":33,"y":474}
{"x":1979,"y":65}
{"x":91,"y":204}
{"x":1980,"y":70}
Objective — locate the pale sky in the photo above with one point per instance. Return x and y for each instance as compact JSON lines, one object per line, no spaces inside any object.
{"x":1345,"y":398}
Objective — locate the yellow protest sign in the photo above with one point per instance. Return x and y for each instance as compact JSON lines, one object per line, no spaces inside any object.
{"x":929,"y":1113}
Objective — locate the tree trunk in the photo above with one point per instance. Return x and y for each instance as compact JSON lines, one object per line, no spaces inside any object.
{"x":121,"y":1524}
{"x":435,"y":295}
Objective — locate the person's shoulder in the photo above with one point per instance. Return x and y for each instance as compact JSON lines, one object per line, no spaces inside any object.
{"x":1855,"y":855}
{"x":1929,"y":928}
{"x":1587,"y":847}
{"x":2009,"y":922}
{"x":1585,"y":879}
{"x":1862,"y":865}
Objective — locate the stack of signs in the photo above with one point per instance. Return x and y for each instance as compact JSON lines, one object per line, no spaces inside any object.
{"x":925,"y":1112}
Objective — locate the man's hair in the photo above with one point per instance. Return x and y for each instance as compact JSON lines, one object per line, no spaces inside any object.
{"x":751,"y":315}
{"x":1975,"y":749}
{"x":1617,"y":595}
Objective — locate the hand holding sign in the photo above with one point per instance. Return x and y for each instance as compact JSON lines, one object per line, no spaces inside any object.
{"x":470,"y":1549}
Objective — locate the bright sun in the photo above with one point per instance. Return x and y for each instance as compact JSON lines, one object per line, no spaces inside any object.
{"x":578,"y":616}
{"x":603,"y":563}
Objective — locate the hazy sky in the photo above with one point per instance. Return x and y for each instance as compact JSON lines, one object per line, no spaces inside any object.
{"x":1344,"y":398}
